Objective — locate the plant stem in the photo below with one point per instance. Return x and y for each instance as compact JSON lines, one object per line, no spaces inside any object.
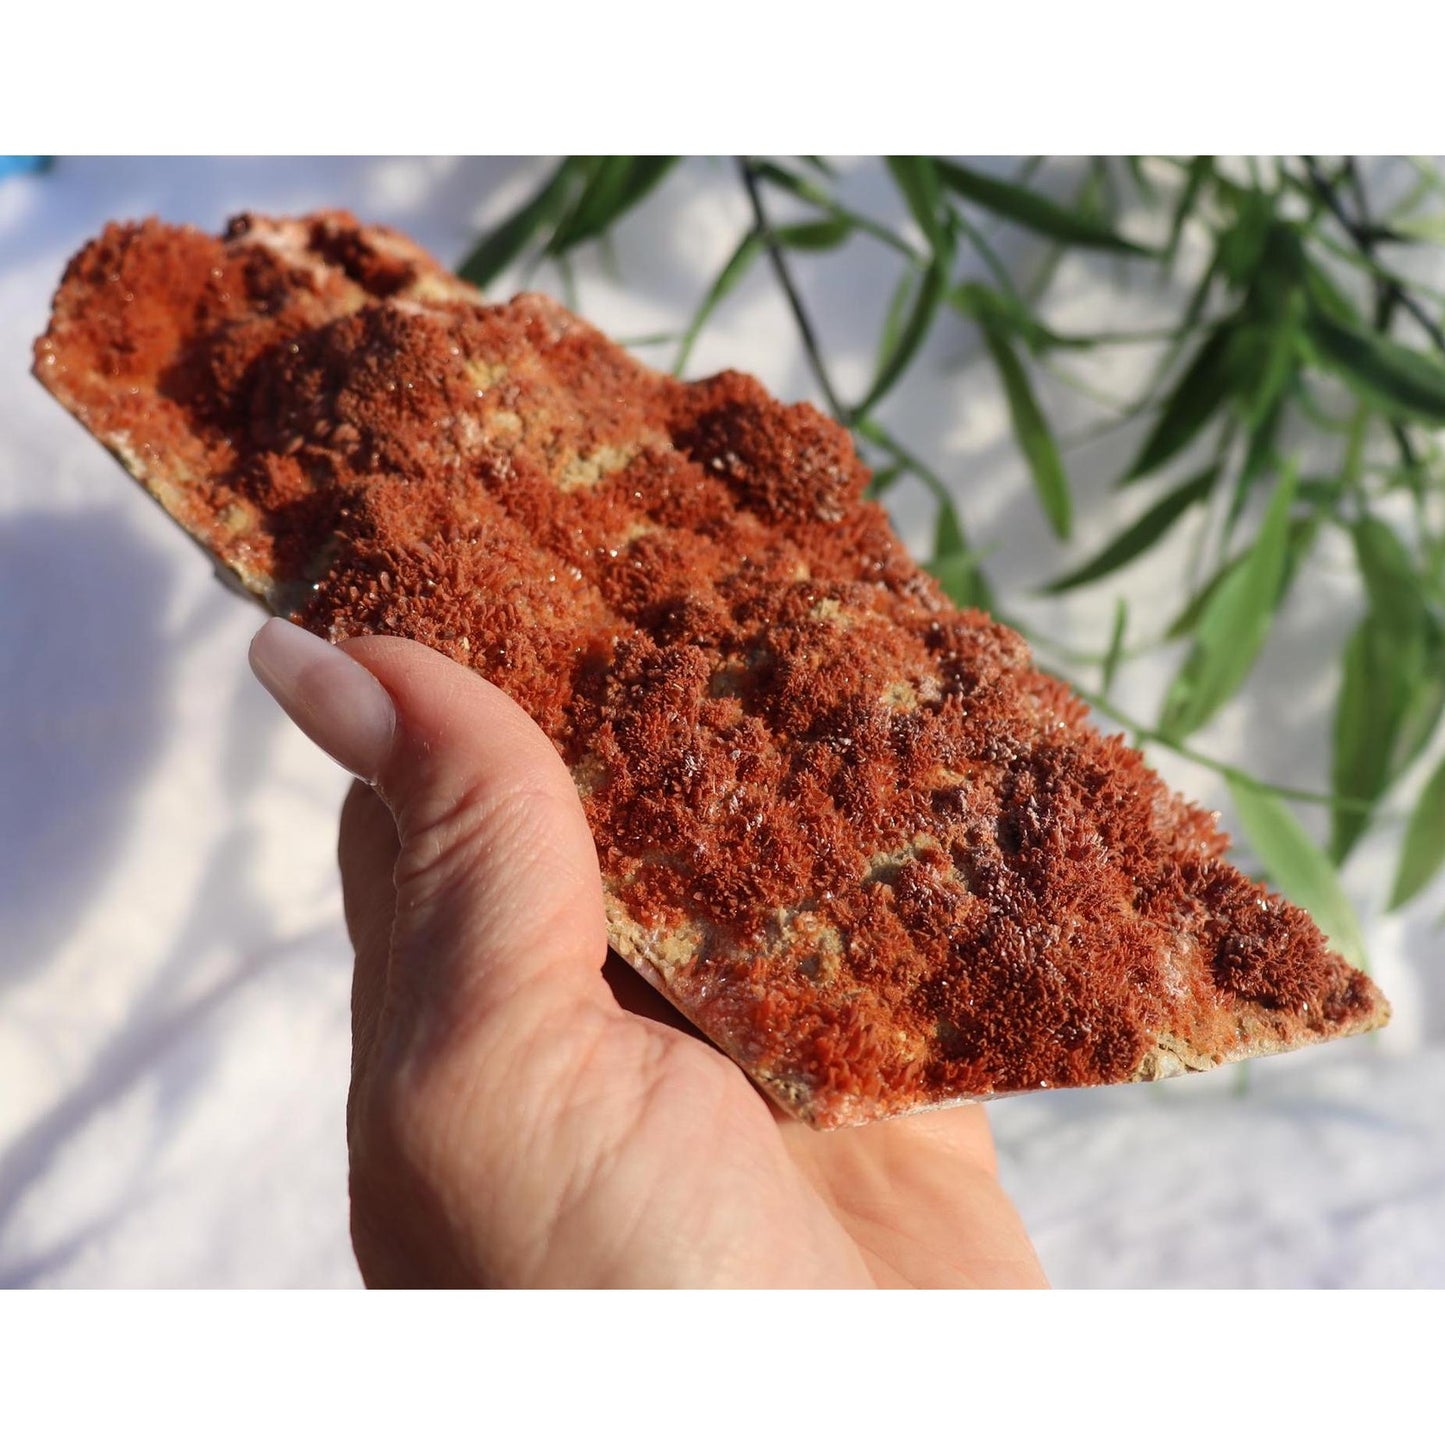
{"x":1144,"y":733}
{"x":1364,"y":241}
{"x":884,"y":440}
{"x":840,"y":412}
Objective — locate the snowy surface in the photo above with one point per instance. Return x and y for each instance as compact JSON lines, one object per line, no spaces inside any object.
{"x":173,"y":969}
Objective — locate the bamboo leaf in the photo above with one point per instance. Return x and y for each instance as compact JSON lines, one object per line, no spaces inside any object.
{"x":1116,"y":646}
{"x":1107,"y":191}
{"x":1297,"y":867}
{"x":734,"y":269}
{"x":1258,"y":457}
{"x":1266,"y":364}
{"x":815,"y":235}
{"x":1031,"y":428}
{"x":1327,"y":296}
{"x":910,"y":337}
{"x":961,"y":577}
{"x":1426,"y":701}
{"x":899,"y":305}
{"x":1391,"y":579}
{"x":1404,"y":383}
{"x":917,"y":177}
{"x":1140,"y":535}
{"x":1302,"y":534}
{"x":883,"y":480}
{"x":810,"y":193}
{"x":1422,"y":228}
{"x":1196,"y":397}
{"x":1242,"y":245}
{"x":1367,"y":719}
{"x":1393,"y":692}
{"x":1140,"y":177}
{"x":948,"y":538}
{"x":983,"y":304}
{"x":502,"y":245}
{"x":790,"y":181}
{"x":1188,"y":616}
{"x":1201,"y":169}
{"x":1424,"y":847}
{"x":1033,"y":211}
{"x":616,"y":185}
{"x":1233,"y":626}
{"x":955,"y":565}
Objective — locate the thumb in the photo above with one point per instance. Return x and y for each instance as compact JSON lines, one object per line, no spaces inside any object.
{"x":498,"y":899}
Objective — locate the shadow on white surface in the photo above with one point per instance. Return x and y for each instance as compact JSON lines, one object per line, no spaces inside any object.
{"x":81,"y":651}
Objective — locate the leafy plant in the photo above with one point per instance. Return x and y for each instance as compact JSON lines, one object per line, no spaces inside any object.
{"x":1299,"y":392}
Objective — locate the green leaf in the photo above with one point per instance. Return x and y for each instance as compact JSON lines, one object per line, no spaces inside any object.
{"x":734,"y":269}
{"x":883,"y":480}
{"x":815,"y":235}
{"x":1296,"y":867}
{"x":1201,"y":169}
{"x":917,"y":178}
{"x":1265,"y":365}
{"x":955,"y":565}
{"x":1188,"y":616}
{"x":1031,"y":428}
{"x":1116,"y":645}
{"x":1391,"y":578}
{"x":1196,"y":398}
{"x":1031,"y":210}
{"x":899,"y":305}
{"x":1393,"y":692}
{"x":1319,"y":491}
{"x":501,"y":246}
{"x":790,"y":181}
{"x":1140,"y":535}
{"x":1330,"y":299}
{"x":1242,"y":245}
{"x":1404,"y":383}
{"x":1277,"y":283}
{"x":1140,"y":177}
{"x":1302,"y":534}
{"x":983,"y":304}
{"x":1265,"y":376}
{"x":1258,"y":458}
{"x":1424,"y":847}
{"x":1371,"y":701}
{"x":1108,"y":192}
{"x":1426,"y":701}
{"x":961,"y":577}
{"x":1233,"y":626}
{"x":1423,"y":228}
{"x":910,"y":338}
{"x":948,"y":538}
{"x":616,"y":185}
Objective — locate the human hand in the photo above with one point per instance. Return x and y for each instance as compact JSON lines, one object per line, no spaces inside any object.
{"x":524,"y":1110}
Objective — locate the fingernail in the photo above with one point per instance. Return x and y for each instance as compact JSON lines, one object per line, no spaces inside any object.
{"x":334,"y":700}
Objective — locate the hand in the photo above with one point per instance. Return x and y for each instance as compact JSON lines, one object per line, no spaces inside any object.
{"x":524,"y":1110}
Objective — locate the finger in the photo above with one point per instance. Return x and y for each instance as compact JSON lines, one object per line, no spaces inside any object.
{"x":367,"y":851}
{"x":498,"y":899}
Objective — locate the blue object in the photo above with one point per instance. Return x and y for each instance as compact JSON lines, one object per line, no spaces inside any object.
{"x":22,"y":165}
